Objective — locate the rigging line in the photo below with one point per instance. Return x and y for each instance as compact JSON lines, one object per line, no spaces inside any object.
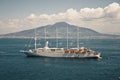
{"x":30,"y":42}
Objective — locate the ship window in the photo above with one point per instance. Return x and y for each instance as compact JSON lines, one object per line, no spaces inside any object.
{"x":52,"y":49}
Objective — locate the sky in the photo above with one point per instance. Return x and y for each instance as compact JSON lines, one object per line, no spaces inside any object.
{"x":100,"y":15}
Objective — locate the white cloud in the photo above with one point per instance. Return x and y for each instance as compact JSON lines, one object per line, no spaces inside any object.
{"x":91,"y":13}
{"x":99,"y":19}
{"x":112,"y":11}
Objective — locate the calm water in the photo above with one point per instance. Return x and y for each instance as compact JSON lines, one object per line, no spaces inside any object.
{"x":16,"y":66}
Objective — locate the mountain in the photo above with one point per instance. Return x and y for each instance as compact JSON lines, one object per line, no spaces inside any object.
{"x":61,"y":29}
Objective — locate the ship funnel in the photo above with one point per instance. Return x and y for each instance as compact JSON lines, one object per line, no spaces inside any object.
{"x":46,"y":44}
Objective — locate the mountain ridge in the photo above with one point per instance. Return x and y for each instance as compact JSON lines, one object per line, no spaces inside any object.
{"x":61,"y":28}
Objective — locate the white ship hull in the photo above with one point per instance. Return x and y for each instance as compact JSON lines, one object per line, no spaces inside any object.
{"x":61,"y":55}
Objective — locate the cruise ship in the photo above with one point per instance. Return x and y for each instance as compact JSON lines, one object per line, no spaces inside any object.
{"x":46,"y":51}
{"x":61,"y":52}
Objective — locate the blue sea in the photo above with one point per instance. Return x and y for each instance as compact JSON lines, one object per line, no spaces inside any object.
{"x":16,"y":66}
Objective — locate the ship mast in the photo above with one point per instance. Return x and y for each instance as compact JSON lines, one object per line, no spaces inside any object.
{"x":45,"y":33}
{"x":78,"y":37}
{"x":67,"y":36}
{"x":56,"y":38}
{"x":35,"y":38}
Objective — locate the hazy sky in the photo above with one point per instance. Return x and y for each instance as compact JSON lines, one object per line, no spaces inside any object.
{"x":100,"y":15}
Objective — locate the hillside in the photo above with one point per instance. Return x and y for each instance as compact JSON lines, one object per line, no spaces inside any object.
{"x":61,"y":29}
